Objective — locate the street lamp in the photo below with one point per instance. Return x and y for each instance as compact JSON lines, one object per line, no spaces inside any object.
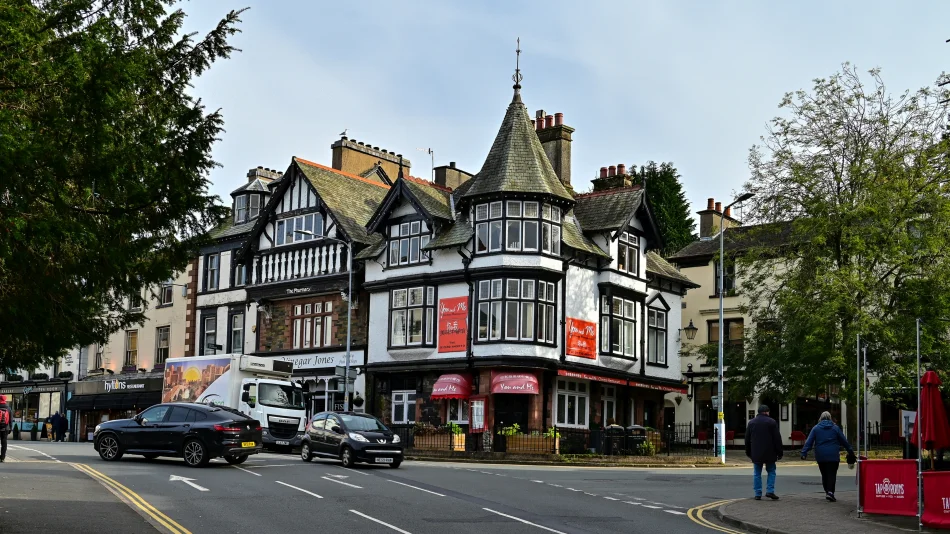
{"x":721,"y":438}
{"x":349,"y":309}
{"x":690,"y":331}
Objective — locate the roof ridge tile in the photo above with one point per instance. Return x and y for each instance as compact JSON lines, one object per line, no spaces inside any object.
{"x":341,"y":173}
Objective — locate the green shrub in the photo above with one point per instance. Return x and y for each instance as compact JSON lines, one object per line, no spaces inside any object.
{"x":512,"y":430}
{"x":454,"y":429}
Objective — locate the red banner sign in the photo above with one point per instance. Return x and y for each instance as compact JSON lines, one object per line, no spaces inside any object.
{"x":595,"y":378}
{"x":889,"y":487}
{"x":453,"y":324}
{"x":937,"y":499}
{"x":658,"y":387}
{"x":581,"y":338}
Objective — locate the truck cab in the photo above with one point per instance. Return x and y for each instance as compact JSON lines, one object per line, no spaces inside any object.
{"x":279,"y":406}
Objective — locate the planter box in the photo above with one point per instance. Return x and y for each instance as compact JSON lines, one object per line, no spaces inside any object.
{"x":439,"y":442}
{"x":520,"y":444}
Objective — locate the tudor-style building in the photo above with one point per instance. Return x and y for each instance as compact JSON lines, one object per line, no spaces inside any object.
{"x":548,"y":307}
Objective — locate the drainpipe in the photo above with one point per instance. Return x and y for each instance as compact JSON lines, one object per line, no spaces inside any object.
{"x":466,"y":262}
{"x":566,"y":264}
{"x":643,"y":337}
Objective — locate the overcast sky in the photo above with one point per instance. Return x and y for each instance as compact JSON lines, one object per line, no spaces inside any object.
{"x":689,"y":82}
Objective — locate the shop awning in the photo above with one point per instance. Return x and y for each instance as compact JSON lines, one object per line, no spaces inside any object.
{"x":659,"y":387}
{"x":452,"y":386}
{"x":515,"y":382}
{"x":80,"y":402}
{"x":115,"y":401}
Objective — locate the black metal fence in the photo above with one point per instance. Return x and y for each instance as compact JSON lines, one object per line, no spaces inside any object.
{"x":675,"y":440}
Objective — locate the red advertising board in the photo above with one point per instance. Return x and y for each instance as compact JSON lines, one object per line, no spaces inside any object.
{"x":581,"y":338}
{"x":453,"y":324}
{"x":595,"y":378}
{"x":937,"y":499}
{"x":889,"y":487}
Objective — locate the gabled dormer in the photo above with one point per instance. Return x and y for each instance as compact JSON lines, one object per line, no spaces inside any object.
{"x":250,"y":198}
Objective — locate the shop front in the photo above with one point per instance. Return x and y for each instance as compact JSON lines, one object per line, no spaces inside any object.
{"x":100,"y":399}
{"x":323,"y":390}
{"x":32,"y":402}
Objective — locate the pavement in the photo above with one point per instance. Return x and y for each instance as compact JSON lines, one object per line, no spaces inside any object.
{"x":281,"y":493}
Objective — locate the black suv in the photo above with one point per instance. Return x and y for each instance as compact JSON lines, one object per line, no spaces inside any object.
{"x":352,"y":437}
{"x":195,"y":432}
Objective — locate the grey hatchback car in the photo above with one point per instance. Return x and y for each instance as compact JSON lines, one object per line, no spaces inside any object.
{"x":351,"y":437}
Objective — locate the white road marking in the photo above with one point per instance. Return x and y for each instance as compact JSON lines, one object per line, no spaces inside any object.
{"x":385,"y":524}
{"x":298,"y":489}
{"x":591,"y":494}
{"x":414,"y":487}
{"x":538,"y":481}
{"x":354,"y":471}
{"x":176,"y":478}
{"x":637,"y":498}
{"x":611,"y":499}
{"x":650,"y":506}
{"x":572,"y":489}
{"x":276,"y":465}
{"x":337,"y":476}
{"x":38,"y":452}
{"x":246,"y":470}
{"x":341,"y":482}
{"x":526,"y":522}
{"x":674,"y":512}
{"x":633,"y":503}
{"x":555,"y":485}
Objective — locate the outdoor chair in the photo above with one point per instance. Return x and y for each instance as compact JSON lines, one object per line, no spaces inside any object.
{"x":798,"y":437}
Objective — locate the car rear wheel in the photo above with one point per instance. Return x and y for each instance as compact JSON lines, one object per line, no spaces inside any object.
{"x":109,"y":448}
{"x":195,"y":453}
{"x":347,"y":457}
{"x":305,"y":453}
{"x":150,"y":456}
{"x":235,"y":460}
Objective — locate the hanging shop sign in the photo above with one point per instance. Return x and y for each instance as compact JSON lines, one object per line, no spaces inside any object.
{"x":453,"y":324}
{"x":581,"y":338}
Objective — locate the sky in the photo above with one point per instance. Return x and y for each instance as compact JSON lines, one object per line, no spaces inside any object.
{"x":690,"y":82}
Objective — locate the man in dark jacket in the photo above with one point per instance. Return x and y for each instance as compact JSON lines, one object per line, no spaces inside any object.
{"x":763,"y":445}
{"x":54,"y":427}
{"x":5,"y":418}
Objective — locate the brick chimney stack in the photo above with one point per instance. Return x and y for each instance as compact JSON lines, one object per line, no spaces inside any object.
{"x":709,"y":219}
{"x":555,"y":137}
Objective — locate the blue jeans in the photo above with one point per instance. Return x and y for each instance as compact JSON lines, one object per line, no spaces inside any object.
{"x":757,"y":478}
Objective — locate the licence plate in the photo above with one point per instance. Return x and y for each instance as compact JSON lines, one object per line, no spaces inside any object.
{"x":248,"y":443}
{"x":384,"y":460}
{"x":283,"y":443}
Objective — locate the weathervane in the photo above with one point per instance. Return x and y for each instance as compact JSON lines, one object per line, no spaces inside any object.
{"x":518,"y":77}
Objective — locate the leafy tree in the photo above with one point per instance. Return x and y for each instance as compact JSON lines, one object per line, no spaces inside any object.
{"x":105,"y":157}
{"x":669,"y":204}
{"x":855,"y":180}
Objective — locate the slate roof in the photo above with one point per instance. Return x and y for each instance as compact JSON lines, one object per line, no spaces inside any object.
{"x":660,"y":267}
{"x":257,"y":185}
{"x":573,"y":237}
{"x":607,"y":210}
{"x":352,"y":200}
{"x":738,"y":239}
{"x":372,"y":251}
{"x":229,"y":229}
{"x":433,"y":198}
{"x":517,"y":161}
{"x":454,"y":236}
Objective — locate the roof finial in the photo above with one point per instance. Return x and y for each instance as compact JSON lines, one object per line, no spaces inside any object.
{"x":517,"y":77}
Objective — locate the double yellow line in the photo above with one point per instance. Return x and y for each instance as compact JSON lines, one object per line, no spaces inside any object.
{"x":133,"y":499}
{"x":696,"y":515}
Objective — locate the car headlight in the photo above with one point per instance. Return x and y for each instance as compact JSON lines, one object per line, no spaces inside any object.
{"x":357,"y":437}
{"x":97,"y":429}
{"x":396,"y":438}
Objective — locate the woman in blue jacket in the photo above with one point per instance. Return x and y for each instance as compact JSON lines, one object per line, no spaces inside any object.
{"x":827,"y":439}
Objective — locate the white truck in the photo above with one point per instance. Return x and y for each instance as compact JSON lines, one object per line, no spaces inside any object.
{"x":257,"y":387}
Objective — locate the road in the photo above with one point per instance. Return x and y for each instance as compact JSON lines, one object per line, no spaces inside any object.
{"x":281,"y":493}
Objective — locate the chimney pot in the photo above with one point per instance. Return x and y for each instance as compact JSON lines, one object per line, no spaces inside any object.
{"x":709,"y":203}
{"x":548,"y":121}
{"x":728,"y":212}
{"x":375,"y":148}
{"x":603,"y":172}
{"x":539,"y":124}
{"x":611,"y":171}
{"x":260,"y":167}
{"x":452,"y":164}
{"x":558,"y":119}
{"x":621,"y":169}
{"x":718,"y":207}
{"x":539,"y":114}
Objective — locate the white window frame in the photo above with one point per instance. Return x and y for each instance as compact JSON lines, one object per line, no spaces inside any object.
{"x":565,"y":389}
{"x":628,"y":247}
{"x":236,"y":348}
{"x":461,"y":413}
{"x":401,"y":304}
{"x":166,"y":294}
{"x":608,"y":402}
{"x":254,"y":206}
{"x":205,"y":332}
{"x":409,"y":416}
{"x":657,"y":336}
{"x":285,"y":229}
{"x":131,"y":354}
{"x":240,"y":209}
{"x":413,"y":236}
{"x":159,"y":357}
{"x":212,"y":271}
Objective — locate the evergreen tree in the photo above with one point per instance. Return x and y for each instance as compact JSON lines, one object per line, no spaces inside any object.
{"x":105,"y":156}
{"x":668,"y":202}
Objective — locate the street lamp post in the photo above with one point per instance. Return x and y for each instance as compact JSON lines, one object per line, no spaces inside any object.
{"x":721,"y":438}
{"x":349,"y":310}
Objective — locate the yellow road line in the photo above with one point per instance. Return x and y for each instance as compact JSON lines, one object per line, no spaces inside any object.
{"x":135,"y":499}
{"x":696,"y":516}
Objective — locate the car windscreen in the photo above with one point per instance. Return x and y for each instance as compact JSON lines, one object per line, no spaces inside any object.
{"x":280,"y":396}
{"x":360,"y":423}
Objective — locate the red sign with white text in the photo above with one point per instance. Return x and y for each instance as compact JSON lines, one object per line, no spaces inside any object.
{"x":595,"y":378}
{"x":453,"y":324}
{"x":581,"y":338}
{"x":889,"y":487}
{"x":937,"y":499}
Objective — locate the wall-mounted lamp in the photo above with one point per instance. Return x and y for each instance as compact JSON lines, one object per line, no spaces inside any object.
{"x":690,"y":331}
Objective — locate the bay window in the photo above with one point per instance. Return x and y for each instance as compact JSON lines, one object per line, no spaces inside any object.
{"x":412,"y":316}
{"x":516,"y":309}
{"x":517,"y":226}
{"x":618,"y":326}
{"x":255,"y":206}
{"x":656,"y":336}
{"x":572,"y":401}
{"x":240,"y":209}
{"x":406,"y":241}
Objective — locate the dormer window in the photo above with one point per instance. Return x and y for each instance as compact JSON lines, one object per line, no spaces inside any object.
{"x":628,"y":253}
{"x":240,"y":209}
{"x":517,"y":226}
{"x":255,"y":206}
{"x":406,"y":241}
